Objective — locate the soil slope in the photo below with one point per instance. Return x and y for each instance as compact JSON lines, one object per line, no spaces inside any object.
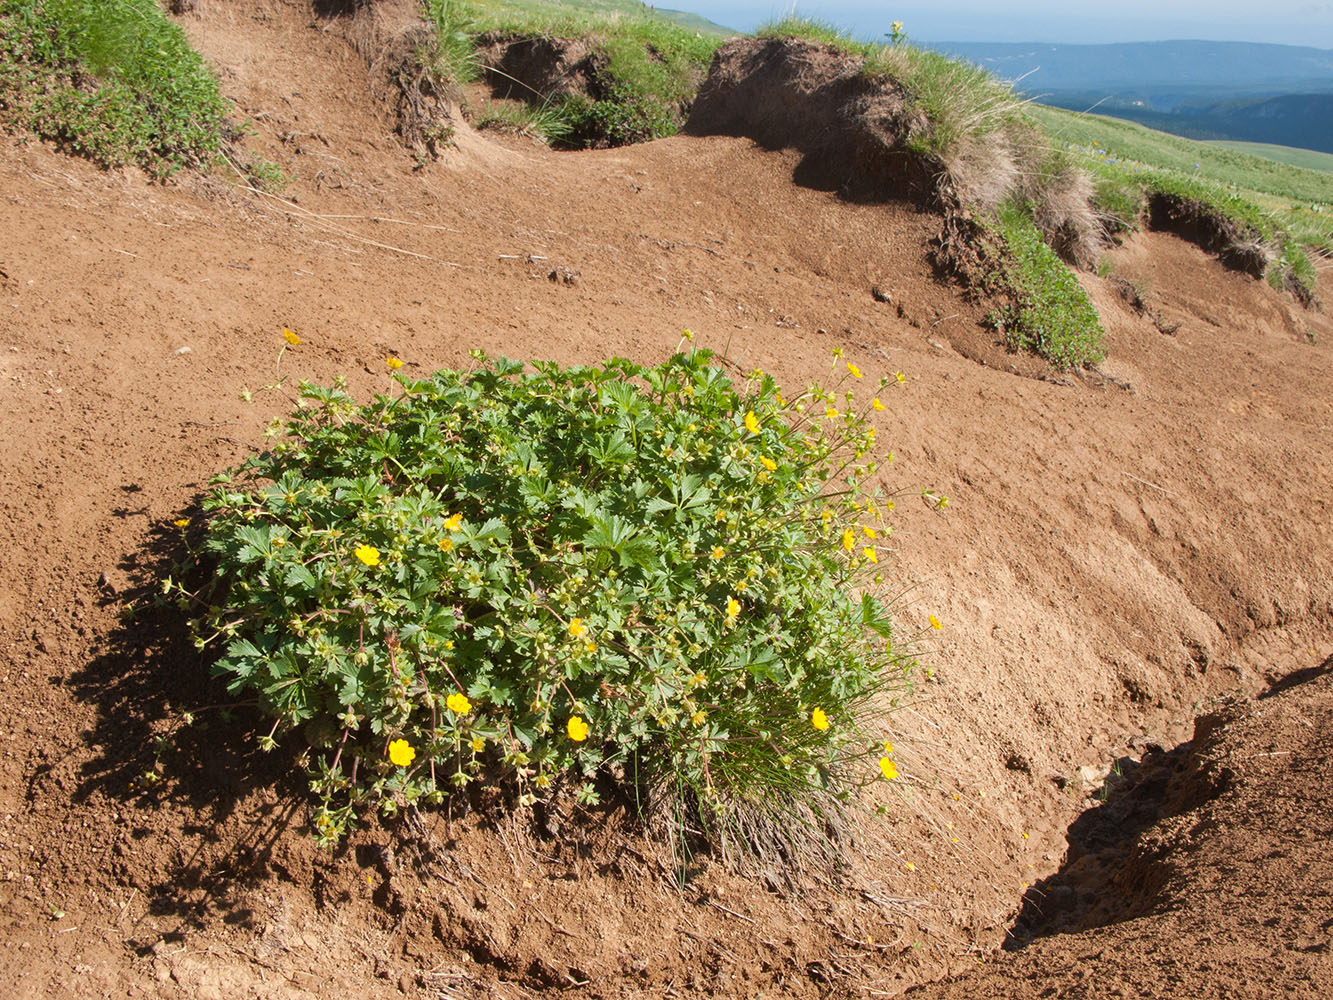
{"x":1119,"y":552}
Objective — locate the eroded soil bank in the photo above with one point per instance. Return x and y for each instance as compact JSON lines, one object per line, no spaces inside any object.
{"x":1119,"y":552}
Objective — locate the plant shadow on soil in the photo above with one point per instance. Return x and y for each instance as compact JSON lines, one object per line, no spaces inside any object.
{"x":184,"y":787}
{"x":1112,"y":872}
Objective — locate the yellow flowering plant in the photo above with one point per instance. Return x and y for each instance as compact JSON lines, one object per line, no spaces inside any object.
{"x":559,"y":578}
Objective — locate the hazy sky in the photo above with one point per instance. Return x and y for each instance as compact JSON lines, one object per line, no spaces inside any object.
{"x":1292,"y":22}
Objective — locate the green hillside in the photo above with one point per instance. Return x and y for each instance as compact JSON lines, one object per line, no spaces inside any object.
{"x":538,"y":11}
{"x":1308,"y":158}
{"x":1130,"y":144}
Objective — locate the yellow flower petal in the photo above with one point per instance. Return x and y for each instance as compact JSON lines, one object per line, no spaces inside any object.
{"x":869,"y":553}
{"x":888,"y":768}
{"x":393,"y":363}
{"x":453,"y":522}
{"x":769,"y":464}
{"x":368,"y":554}
{"x":458,"y":703}
{"x":182,"y":522}
{"x":856,"y":372}
{"x":290,"y":337}
{"x":751,"y":422}
{"x":402,"y":753}
{"x":818,"y":719}
{"x":576,"y":729}
{"x":733,"y":608}
{"x":876,"y":404}
{"x":935,"y":623}
{"x":848,"y":539}
{"x":577,"y":630}
{"x":900,"y":377}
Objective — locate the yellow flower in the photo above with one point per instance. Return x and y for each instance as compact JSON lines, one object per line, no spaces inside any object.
{"x":848,"y":539}
{"x":856,"y":372}
{"x":368,"y":554}
{"x":888,"y":747}
{"x":733,"y":608}
{"x":577,"y":729}
{"x":577,"y":630}
{"x":698,"y":680}
{"x":826,"y":515}
{"x":393,"y":363}
{"x":870,"y":532}
{"x":935,"y":623}
{"x":478,"y":744}
{"x":909,"y":867}
{"x":888,"y":768}
{"x":446,"y":544}
{"x":182,"y":522}
{"x":870,"y":554}
{"x":900,"y":377}
{"x":778,"y":397}
{"x":401,"y":753}
{"x":290,"y":337}
{"x":876,"y":404}
{"x":751,"y":422}
{"x":590,"y":646}
{"x":687,"y":334}
{"x":769,"y":464}
{"x":831,"y":413}
{"x":818,"y":719}
{"x":452,"y":522}
{"x":718,"y":552}
{"x":458,"y":703}
{"x":699,"y":717}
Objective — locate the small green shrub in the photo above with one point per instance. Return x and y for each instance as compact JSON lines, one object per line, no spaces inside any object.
{"x":1052,"y":315}
{"x":112,"y":80}
{"x":554,"y":577}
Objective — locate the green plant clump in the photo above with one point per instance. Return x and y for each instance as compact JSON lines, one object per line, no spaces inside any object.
{"x":1053,"y":315}
{"x":113,"y":80}
{"x":650,"y":68}
{"x":544,"y":577}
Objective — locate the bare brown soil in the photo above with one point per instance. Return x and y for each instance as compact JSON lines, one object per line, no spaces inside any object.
{"x":1121,"y":553}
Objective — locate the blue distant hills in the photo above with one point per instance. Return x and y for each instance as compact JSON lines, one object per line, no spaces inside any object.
{"x":1202,"y":90}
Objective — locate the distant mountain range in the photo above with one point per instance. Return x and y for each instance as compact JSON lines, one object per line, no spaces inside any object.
{"x":1202,"y":90}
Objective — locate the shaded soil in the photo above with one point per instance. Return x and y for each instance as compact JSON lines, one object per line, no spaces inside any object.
{"x":1120,"y":554}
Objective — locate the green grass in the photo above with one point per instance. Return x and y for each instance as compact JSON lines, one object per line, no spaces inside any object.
{"x":1052,"y":316}
{"x":1308,"y":159}
{"x":1286,"y":207}
{"x":654,"y":63}
{"x":112,"y":80}
{"x":1128,"y":145}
